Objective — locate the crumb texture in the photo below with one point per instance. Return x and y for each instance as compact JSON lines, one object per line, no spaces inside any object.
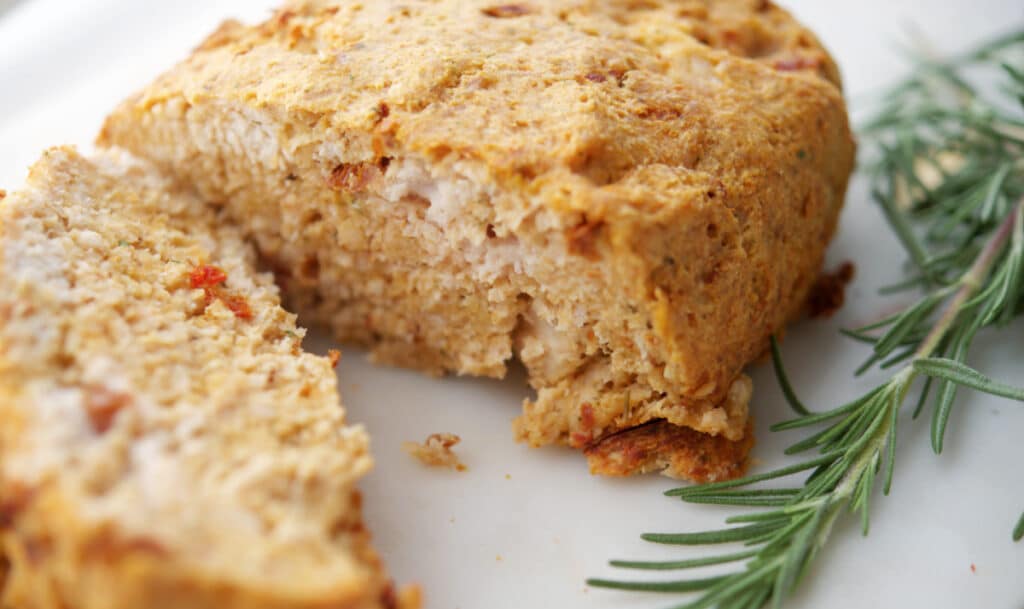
{"x":436,"y":451}
{"x":630,"y":197}
{"x":164,"y":441}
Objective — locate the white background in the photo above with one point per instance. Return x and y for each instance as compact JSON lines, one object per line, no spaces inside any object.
{"x":523,"y":528}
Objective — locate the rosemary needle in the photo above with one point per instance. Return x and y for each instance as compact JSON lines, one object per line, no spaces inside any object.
{"x":949,"y":177}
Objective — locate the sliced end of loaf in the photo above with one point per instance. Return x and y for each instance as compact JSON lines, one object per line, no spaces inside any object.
{"x":164,"y":440}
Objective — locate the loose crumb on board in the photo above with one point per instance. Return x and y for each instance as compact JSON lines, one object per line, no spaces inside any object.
{"x":829,"y":293}
{"x":334,"y":356}
{"x":437,"y":451}
{"x":974,"y":569}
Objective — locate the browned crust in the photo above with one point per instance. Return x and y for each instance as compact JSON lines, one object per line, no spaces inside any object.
{"x":829,"y":293}
{"x":678,"y":452}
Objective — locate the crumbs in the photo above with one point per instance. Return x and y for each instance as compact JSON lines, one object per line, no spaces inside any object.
{"x":829,"y":293}
{"x":334,"y":356}
{"x":437,"y":451}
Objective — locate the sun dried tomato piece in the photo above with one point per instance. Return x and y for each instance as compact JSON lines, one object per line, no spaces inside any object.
{"x":239,"y":306}
{"x":206,"y":276}
{"x":284,"y":17}
{"x":587,"y":417}
{"x":829,"y":293}
{"x":388,"y":596}
{"x":580,"y":440}
{"x":210,"y":279}
{"x":108,"y":546}
{"x":17,"y":497}
{"x":506,"y":11}
{"x":102,"y":405}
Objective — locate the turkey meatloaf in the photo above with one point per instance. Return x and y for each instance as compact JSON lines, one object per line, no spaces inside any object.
{"x":629,"y":197}
{"x":164,"y":441}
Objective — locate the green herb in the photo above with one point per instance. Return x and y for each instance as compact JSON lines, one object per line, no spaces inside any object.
{"x":949,"y":176}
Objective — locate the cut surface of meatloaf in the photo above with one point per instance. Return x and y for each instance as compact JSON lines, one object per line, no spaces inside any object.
{"x":630,"y":197}
{"x":165,"y":443}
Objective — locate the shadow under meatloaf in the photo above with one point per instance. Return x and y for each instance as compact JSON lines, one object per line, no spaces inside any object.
{"x":628,"y":197}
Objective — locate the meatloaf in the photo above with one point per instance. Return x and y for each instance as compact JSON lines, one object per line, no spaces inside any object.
{"x":629,"y":196}
{"x":164,"y":441}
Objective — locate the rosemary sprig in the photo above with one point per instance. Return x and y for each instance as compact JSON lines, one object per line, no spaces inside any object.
{"x":949,"y":177}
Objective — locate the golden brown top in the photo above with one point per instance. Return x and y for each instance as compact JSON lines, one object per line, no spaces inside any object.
{"x":582,"y":94}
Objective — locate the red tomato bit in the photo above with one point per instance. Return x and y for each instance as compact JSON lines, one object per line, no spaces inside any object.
{"x":205,"y":276}
{"x":239,"y":306}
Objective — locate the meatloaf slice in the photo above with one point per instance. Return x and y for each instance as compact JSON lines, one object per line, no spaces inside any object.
{"x":164,"y":441}
{"x":630,"y":197}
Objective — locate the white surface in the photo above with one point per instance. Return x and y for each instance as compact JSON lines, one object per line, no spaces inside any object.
{"x":522,"y":529}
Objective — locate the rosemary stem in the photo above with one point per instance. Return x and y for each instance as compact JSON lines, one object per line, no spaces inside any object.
{"x":844,"y":491}
{"x":848,"y":482}
{"x":970,"y":282}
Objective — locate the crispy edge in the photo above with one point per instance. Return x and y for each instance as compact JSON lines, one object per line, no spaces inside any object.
{"x":678,"y":452}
